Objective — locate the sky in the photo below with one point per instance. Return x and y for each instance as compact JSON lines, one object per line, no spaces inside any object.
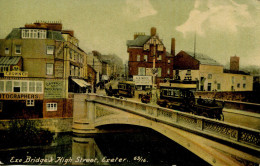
{"x":223,"y":28}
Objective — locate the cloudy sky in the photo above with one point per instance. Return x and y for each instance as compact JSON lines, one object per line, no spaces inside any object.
{"x":223,"y":28}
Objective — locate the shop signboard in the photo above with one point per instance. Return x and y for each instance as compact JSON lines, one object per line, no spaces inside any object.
{"x":142,"y":80}
{"x":53,"y":89}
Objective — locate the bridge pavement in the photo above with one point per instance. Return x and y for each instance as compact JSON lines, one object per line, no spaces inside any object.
{"x":99,"y":111}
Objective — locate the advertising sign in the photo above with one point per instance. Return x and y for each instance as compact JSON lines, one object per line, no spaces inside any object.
{"x":53,"y":89}
{"x":16,"y":74}
{"x":142,"y":80}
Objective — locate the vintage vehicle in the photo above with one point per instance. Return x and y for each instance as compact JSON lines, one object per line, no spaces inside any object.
{"x":125,"y":88}
{"x":179,"y":95}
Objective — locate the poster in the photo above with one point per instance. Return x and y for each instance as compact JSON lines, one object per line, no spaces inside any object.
{"x":212,"y":45}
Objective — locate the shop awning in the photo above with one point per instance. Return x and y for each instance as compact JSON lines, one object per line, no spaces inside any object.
{"x":81,"y":82}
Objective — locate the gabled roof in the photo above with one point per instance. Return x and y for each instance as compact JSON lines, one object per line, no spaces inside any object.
{"x":138,"y":42}
{"x":204,"y":59}
{"x":9,"y":60}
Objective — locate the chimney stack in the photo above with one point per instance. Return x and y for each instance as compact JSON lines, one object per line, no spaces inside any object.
{"x":234,"y":63}
{"x":173,"y":47}
{"x":153,"y":31}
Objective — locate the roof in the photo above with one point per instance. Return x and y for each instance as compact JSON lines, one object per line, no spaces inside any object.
{"x":16,"y":34}
{"x":204,"y":59}
{"x":9,"y":60}
{"x":139,"y":41}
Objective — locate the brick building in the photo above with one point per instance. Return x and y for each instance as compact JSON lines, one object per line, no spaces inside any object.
{"x":143,"y":50}
{"x":211,"y":75}
{"x":40,"y":64}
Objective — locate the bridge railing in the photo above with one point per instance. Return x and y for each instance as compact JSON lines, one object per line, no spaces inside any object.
{"x":222,"y":130}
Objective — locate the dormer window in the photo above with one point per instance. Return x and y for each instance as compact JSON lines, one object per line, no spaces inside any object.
{"x":34,"y":34}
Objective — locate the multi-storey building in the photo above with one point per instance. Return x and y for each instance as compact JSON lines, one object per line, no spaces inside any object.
{"x":40,"y":65}
{"x":211,"y":75}
{"x":147,"y":52}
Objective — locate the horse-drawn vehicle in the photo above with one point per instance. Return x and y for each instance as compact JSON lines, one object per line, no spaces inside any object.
{"x":179,"y":95}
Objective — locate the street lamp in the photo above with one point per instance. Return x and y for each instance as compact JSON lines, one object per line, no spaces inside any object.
{"x":154,"y":71}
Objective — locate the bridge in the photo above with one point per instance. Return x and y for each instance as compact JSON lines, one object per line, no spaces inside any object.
{"x":216,"y":142}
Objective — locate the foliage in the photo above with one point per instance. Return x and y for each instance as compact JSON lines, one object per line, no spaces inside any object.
{"x":25,"y":133}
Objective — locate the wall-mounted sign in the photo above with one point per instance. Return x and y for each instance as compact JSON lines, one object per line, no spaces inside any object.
{"x":53,"y":89}
{"x":20,"y":96}
{"x":142,"y":80}
{"x":16,"y":74}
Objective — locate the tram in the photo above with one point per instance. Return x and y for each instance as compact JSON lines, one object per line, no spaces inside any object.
{"x":179,"y":95}
{"x":125,"y":88}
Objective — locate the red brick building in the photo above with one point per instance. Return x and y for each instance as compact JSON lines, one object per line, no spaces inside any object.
{"x":142,"y":51}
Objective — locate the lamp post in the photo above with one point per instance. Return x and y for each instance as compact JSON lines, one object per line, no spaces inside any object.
{"x":154,"y":98}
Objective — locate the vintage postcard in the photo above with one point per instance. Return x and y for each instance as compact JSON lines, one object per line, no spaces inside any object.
{"x":130,"y":82}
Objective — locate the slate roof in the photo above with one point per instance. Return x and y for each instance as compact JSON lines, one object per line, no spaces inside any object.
{"x":16,"y":34}
{"x":9,"y":60}
{"x":204,"y":59}
{"x":138,"y":42}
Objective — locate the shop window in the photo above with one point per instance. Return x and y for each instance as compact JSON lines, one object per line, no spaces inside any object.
{"x":17,"y":87}
{"x":39,"y":87}
{"x":51,"y":106}
{"x":9,"y":86}
{"x":29,"y":103}
{"x":50,"y":50}
{"x":2,"y":86}
{"x":49,"y":68}
{"x":18,"y":49}
{"x":31,"y":86}
{"x":24,"y":87}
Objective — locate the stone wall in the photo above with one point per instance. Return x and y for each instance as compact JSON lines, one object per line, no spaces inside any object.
{"x":52,"y":124}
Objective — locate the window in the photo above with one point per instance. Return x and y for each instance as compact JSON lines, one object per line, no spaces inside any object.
{"x":209,"y":76}
{"x":29,"y":102}
{"x":232,"y":88}
{"x":138,"y":58}
{"x":145,"y":58}
{"x":219,"y":86}
{"x":50,"y":50}
{"x":6,"y":50}
{"x":17,"y":87}
{"x":49,"y":68}
{"x":238,"y":85}
{"x":70,"y":54}
{"x":233,"y":79}
{"x":39,"y":87}
{"x":31,"y":86}
{"x":168,"y":71}
{"x":18,"y":49}
{"x":169,"y":61}
{"x":209,"y":86}
{"x":76,"y":71}
{"x":24,"y":87}
{"x":2,"y":86}
{"x":244,"y":77}
{"x":244,"y":85}
{"x":72,"y":70}
{"x":4,"y":68}
{"x":141,"y":71}
{"x":51,"y":106}
{"x":159,"y":73}
{"x":160,"y":58}
{"x":8,"y":86}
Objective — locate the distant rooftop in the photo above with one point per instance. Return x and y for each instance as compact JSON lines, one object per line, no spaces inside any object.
{"x":204,"y":59}
{"x":138,"y":42}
